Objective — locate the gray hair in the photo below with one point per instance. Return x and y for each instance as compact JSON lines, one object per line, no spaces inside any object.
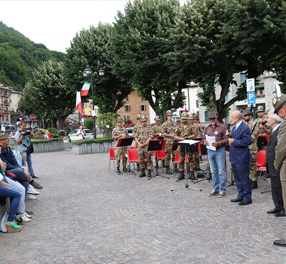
{"x":276,"y":117}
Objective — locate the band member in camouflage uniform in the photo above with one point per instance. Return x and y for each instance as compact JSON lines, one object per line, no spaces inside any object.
{"x":168,"y":132}
{"x":184,"y":131}
{"x":194,"y":161}
{"x":142,"y":137}
{"x":262,"y":129}
{"x":118,"y":133}
{"x":156,"y":132}
{"x":135,"y":128}
{"x":253,"y":148}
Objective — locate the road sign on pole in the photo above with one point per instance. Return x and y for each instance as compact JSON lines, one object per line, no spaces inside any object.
{"x":33,"y":117}
{"x":251,"y":98}
{"x":250,"y":85}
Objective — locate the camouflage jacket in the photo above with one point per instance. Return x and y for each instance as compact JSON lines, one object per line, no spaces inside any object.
{"x":254,"y":135}
{"x":183,"y":131}
{"x":156,"y":129}
{"x":143,"y":133}
{"x":135,"y":128}
{"x":116,"y":132}
{"x":168,"y":128}
{"x":258,"y":122}
{"x":198,"y":129}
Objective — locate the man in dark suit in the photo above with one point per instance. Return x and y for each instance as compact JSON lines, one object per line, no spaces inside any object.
{"x":240,"y":158}
{"x":279,"y":104}
{"x":274,"y":121}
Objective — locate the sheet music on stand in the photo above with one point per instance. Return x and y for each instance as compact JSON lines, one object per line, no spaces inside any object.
{"x":189,"y":141}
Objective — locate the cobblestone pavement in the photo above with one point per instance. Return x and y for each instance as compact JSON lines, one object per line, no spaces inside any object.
{"x":88,"y":214}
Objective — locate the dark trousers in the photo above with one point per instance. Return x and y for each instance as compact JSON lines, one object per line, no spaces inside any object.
{"x":277,"y":192}
{"x":243,"y":184}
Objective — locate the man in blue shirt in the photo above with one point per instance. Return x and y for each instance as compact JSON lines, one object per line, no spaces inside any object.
{"x":23,"y":140}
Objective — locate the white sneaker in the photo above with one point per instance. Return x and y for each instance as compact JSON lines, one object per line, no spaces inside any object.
{"x":31,"y":197}
{"x":23,"y":218}
{"x":27,"y":215}
{"x":32,"y":190}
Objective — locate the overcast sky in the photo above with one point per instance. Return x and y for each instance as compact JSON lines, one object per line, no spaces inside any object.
{"x":55,"y":23}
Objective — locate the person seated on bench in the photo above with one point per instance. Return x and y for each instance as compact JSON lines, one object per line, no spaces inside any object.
{"x":7,"y":191}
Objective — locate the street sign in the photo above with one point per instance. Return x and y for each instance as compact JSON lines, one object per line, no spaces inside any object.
{"x":251,"y":98}
{"x":33,"y":117}
{"x":250,"y":85}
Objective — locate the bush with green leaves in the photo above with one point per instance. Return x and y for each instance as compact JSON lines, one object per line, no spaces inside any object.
{"x":106,"y":122}
{"x":53,"y":131}
{"x":88,"y":123}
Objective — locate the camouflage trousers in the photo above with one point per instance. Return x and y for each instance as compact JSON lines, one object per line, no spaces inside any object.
{"x":120,"y":152}
{"x":144,"y":155}
{"x":182,"y":156}
{"x":168,"y":152}
{"x":194,"y":161}
{"x":253,"y":176}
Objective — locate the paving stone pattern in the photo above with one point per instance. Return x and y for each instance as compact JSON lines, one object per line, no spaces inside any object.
{"x":88,"y":214}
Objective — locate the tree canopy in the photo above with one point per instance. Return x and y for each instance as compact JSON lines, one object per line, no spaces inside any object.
{"x":47,"y":94}
{"x":92,"y":48}
{"x":139,"y":46}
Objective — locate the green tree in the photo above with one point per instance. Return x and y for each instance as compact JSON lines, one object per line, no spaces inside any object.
{"x":106,"y":122}
{"x":92,"y":47}
{"x":259,"y":30}
{"x":88,"y":123}
{"x":47,"y":95}
{"x":139,"y":46}
{"x":19,"y":56}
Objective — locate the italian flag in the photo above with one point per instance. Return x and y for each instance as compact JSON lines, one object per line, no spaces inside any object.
{"x":78,"y":102}
{"x":85,"y":89}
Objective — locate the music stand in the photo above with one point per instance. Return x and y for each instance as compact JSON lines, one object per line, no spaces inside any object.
{"x":204,"y":152}
{"x":124,"y":142}
{"x":188,"y":148}
{"x":262,"y":140}
{"x":155,"y":145}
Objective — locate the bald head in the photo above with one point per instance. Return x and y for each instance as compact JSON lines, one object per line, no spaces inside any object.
{"x":235,"y":117}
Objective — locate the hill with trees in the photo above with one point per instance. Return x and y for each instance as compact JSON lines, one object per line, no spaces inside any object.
{"x":19,"y":57}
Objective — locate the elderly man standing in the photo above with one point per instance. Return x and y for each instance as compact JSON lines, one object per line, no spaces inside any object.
{"x":274,"y":121}
{"x":240,"y":158}
{"x":279,"y":104}
{"x":216,"y":156}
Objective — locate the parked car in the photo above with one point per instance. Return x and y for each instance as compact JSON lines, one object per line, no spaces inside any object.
{"x":72,"y":135}
{"x":9,"y":128}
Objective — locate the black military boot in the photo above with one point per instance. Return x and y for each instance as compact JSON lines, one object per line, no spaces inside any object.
{"x":125,"y":169}
{"x":149,"y":173}
{"x":118,"y":170}
{"x":142,"y":174}
{"x":163,"y":163}
{"x":254,"y":185}
{"x":168,"y":171}
{"x":181,"y":176}
{"x":192,"y":175}
{"x":138,"y":167}
{"x":176,"y":168}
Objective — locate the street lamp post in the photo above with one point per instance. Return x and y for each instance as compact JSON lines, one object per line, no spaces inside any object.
{"x":89,"y":73}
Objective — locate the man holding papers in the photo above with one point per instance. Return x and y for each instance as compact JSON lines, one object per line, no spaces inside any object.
{"x":215,"y":139}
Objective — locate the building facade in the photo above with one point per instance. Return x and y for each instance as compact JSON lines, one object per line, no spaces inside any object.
{"x":134,"y":104}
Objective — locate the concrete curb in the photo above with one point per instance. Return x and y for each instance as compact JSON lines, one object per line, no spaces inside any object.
{"x":92,"y":148}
